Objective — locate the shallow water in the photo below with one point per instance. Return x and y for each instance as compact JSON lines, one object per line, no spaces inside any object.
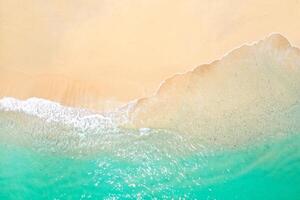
{"x":266,"y":171}
{"x":43,"y":158}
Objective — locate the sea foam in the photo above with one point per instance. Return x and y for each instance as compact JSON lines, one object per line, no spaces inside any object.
{"x":54,"y":112}
{"x":248,"y":95}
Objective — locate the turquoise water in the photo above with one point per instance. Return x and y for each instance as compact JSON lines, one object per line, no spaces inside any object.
{"x":265,"y":171}
{"x":67,"y":155}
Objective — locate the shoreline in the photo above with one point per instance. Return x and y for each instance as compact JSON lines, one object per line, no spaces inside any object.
{"x":85,"y":93}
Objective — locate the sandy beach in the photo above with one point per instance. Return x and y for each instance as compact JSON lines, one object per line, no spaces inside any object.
{"x":100,"y":54}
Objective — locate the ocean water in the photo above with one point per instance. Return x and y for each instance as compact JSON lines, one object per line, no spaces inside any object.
{"x":51,"y":152}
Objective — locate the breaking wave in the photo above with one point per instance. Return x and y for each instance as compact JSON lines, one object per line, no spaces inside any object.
{"x":226,"y":130}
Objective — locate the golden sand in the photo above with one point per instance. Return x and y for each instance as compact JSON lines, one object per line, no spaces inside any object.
{"x":253,"y":90}
{"x":98,"y":53}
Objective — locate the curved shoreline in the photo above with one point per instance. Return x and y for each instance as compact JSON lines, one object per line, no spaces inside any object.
{"x":82,"y":93}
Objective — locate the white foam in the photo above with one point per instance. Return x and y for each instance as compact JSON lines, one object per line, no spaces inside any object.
{"x":55,"y":112}
{"x":144,"y":131}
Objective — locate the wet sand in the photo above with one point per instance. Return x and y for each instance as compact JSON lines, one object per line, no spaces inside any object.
{"x":99,"y":54}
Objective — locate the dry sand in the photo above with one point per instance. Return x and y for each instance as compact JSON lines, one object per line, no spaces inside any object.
{"x":98,"y":53}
